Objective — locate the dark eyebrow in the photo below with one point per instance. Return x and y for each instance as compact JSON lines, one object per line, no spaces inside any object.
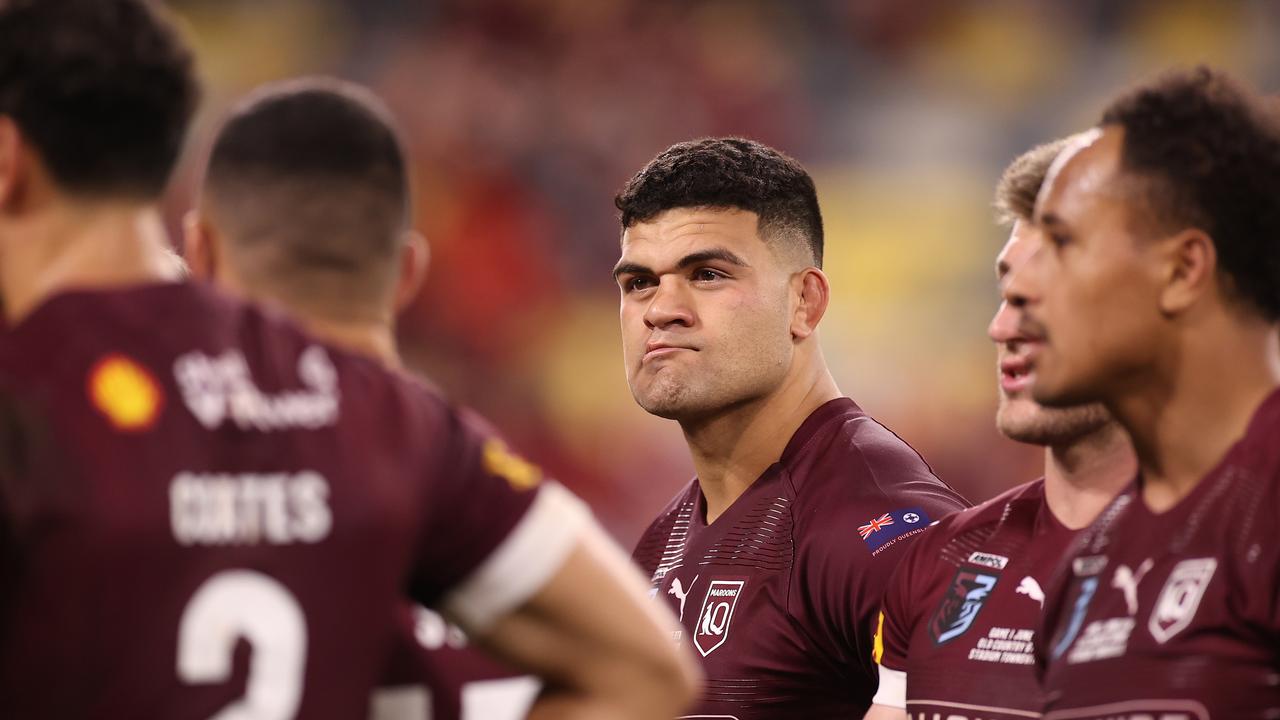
{"x":691,"y":259}
{"x":1002,"y":269}
{"x":1049,"y":219}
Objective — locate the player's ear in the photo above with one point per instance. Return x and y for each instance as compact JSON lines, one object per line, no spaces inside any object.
{"x":11,"y":163}
{"x":198,"y":246}
{"x":812,"y":293}
{"x":415,"y":256}
{"x":1190,"y":265}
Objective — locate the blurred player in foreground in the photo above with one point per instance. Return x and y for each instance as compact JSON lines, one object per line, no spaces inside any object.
{"x":203,"y":512}
{"x":329,"y":243}
{"x":960,"y":612}
{"x":776,"y":555}
{"x":1156,"y":290}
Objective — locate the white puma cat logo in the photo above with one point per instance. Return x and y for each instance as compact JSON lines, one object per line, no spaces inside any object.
{"x":1031,"y":589}
{"x":681,"y":592}
{"x":1126,"y":581}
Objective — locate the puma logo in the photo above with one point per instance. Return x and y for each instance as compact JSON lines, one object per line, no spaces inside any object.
{"x":1031,"y":589}
{"x":1126,"y":581}
{"x":681,"y":592}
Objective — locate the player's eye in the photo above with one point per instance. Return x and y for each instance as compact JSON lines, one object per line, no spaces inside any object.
{"x":1059,"y":239}
{"x":707,"y":275}
{"x":637,"y":283}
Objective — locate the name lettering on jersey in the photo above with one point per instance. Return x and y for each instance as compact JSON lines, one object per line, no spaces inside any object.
{"x":989,"y":560}
{"x":889,"y":528}
{"x":249,"y":508}
{"x":125,"y":393}
{"x":965,"y":596}
{"x":1126,"y":581}
{"x":1180,"y":598}
{"x":712,"y":629}
{"x":219,"y":389}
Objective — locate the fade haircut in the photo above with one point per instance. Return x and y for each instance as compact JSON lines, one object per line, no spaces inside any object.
{"x":309,"y":184}
{"x":103,"y":90}
{"x":727,"y":173}
{"x":1020,"y":183}
{"x":1206,"y":152}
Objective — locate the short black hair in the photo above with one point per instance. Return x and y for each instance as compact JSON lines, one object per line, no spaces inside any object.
{"x":1020,"y":182}
{"x":312,"y":170}
{"x":729,"y":172}
{"x":103,"y":90}
{"x":1207,"y":149}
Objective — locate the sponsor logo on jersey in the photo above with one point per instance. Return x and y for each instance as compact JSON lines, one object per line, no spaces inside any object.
{"x":219,"y":388}
{"x":989,"y":560}
{"x":681,"y":593}
{"x":124,"y":392}
{"x":1126,"y":580}
{"x":883,"y":531}
{"x":1029,"y":587}
{"x":1180,"y":597}
{"x":717,"y":612}
{"x":964,"y":598}
{"x":1090,"y":565}
{"x":1145,"y":709}
{"x":518,"y":472}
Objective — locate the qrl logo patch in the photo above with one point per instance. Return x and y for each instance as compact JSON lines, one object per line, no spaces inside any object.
{"x":1180,"y":597}
{"x":716,"y":614}
{"x":969,"y":590}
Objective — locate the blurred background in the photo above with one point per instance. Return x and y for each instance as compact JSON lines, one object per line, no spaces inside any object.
{"x":524,"y":118}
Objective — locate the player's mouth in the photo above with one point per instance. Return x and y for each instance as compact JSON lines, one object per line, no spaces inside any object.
{"x":1016,"y":375}
{"x":656,"y":350}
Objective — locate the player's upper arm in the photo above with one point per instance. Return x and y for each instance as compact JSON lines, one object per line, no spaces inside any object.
{"x":885,"y":712}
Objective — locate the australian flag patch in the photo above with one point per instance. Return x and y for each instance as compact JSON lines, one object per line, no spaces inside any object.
{"x":884,"y":530}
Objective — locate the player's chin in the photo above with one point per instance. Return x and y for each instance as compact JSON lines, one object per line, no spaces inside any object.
{"x":1036,"y":425}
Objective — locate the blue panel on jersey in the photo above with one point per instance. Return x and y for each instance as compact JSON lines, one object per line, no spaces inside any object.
{"x":890,"y":526}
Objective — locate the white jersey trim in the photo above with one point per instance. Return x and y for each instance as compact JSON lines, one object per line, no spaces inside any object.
{"x":523,"y":563}
{"x":893,"y":689}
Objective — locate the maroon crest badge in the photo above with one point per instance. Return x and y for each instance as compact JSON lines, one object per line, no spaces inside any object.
{"x":712,"y":627}
{"x":1180,"y":598}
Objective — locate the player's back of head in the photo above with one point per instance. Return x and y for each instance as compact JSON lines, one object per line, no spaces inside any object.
{"x":308,"y":186}
{"x":731,"y":173}
{"x":1020,"y":182}
{"x":1206,"y":152}
{"x":103,"y":90}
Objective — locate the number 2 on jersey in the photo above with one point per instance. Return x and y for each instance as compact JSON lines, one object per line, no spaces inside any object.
{"x":236,"y":604}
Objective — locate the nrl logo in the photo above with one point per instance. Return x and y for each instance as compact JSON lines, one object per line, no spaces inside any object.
{"x":1180,"y":597}
{"x":965,"y":597}
{"x":712,"y":627}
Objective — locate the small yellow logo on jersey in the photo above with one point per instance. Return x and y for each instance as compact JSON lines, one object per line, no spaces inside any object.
{"x":877,"y":643}
{"x":125,"y":392}
{"x":517,"y":471}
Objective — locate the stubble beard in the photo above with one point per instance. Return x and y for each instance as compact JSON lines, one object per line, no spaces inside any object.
{"x":1049,"y":426}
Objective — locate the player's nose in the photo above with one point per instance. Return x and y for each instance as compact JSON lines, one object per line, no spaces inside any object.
{"x":670,"y":305}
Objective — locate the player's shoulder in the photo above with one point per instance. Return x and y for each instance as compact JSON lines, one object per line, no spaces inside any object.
{"x":679,"y":510}
{"x":1021,"y":503}
{"x":843,"y":458}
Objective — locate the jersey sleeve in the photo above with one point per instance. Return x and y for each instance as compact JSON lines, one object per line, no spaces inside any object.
{"x":895,"y":621}
{"x":496,"y":532}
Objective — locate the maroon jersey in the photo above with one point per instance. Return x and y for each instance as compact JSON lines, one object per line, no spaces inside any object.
{"x":201,"y":509}
{"x":1175,"y":616}
{"x":777,"y":595}
{"x":436,"y":675}
{"x":961,"y":610}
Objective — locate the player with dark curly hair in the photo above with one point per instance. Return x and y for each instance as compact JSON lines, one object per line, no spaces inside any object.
{"x":204,"y":512}
{"x":1156,"y":290}
{"x":775,"y":556}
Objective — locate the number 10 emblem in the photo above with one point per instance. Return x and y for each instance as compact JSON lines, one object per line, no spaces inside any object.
{"x":717,"y":611}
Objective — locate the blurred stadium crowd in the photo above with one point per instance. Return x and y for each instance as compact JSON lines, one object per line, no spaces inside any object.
{"x":524,"y":117}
